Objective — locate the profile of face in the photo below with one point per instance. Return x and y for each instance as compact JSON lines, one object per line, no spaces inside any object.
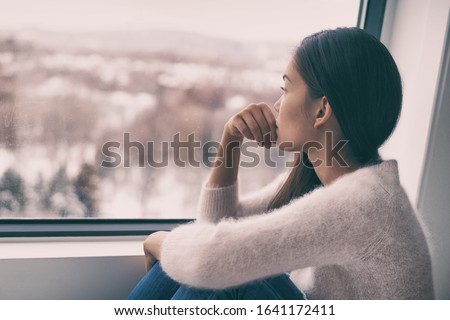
{"x":364,"y":87}
{"x":301,"y":119}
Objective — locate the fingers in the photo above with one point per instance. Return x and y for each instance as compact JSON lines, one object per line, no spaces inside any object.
{"x":242,"y":128}
{"x":271,"y":121}
{"x":256,"y":122}
{"x":254,"y":125}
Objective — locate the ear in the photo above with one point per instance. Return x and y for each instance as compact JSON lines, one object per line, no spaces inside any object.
{"x":324,"y":112}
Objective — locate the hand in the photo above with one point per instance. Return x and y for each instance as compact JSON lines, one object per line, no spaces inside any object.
{"x":255,"y":122}
{"x":152,"y":248}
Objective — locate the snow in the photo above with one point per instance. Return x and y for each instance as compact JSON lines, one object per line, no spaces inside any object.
{"x":7,"y":160}
{"x":6,"y":58}
{"x":127,"y":105}
{"x":123,"y":192}
{"x":235,"y":103}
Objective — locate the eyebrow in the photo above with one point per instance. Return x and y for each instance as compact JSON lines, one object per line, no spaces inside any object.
{"x":286,"y":77}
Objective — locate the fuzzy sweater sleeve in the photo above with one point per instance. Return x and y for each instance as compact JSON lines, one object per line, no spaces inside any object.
{"x":216,"y":203}
{"x":330,"y":225}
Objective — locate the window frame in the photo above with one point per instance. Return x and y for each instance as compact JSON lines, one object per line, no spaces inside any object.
{"x":370,"y":18}
{"x":84,"y":227}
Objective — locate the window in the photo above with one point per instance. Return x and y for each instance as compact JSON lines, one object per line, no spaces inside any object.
{"x":110,"y":109}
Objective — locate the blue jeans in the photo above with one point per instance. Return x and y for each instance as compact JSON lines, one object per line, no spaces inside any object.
{"x":157,"y":285}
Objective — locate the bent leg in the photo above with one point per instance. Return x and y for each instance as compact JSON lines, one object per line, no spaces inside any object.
{"x":278,"y":287}
{"x":155,"y":285}
{"x":190,"y":293}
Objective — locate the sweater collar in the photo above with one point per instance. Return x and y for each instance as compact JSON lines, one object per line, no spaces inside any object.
{"x":387,"y":169}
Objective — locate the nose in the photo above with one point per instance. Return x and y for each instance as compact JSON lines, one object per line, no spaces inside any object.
{"x":277,"y":105}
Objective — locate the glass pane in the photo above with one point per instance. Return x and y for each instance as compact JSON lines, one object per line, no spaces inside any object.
{"x":94,"y":96}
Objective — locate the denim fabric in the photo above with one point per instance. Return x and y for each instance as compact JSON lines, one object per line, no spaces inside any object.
{"x":157,"y":285}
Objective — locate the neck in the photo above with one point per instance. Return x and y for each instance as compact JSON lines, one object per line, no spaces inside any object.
{"x":329,"y":168}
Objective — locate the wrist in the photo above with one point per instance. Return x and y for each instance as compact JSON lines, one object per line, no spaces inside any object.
{"x":228,"y":136}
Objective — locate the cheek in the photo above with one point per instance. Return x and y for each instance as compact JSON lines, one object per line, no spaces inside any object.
{"x":288,"y":131}
{"x":291,"y":125}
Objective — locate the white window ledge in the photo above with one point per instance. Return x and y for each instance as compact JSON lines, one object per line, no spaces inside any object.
{"x":70,"y":247}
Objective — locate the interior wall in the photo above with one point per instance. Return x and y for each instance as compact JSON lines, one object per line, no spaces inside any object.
{"x":415,"y":33}
{"x":434,"y":195}
{"x":83,"y":278}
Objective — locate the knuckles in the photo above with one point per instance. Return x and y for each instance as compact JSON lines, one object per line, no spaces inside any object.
{"x":252,"y":107}
{"x":263,"y":105}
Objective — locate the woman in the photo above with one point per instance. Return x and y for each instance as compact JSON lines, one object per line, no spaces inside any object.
{"x":339,"y":227}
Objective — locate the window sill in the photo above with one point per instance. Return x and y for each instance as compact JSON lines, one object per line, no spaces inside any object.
{"x":70,"y":247}
{"x":74,"y":238}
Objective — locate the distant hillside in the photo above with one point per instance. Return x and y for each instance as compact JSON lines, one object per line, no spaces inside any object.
{"x":186,"y":43}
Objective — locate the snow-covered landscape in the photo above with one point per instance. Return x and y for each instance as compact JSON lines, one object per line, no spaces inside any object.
{"x":64,"y":95}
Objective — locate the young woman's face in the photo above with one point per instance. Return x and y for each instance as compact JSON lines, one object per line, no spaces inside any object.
{"x":295,"y":112}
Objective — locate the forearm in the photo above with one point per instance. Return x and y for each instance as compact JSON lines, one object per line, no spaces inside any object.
{"x":226,"y":164}
{"x":254,"y":122}
{"x":219,"y":197}
{"x":321,"y":228}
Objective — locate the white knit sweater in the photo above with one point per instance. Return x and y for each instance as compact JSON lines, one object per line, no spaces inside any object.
{"x":356,"y":238}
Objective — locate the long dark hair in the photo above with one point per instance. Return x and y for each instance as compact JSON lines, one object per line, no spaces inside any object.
{"x":361,"y":81}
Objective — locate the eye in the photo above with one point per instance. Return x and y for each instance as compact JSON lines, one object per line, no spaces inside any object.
{"x":283,"y":89}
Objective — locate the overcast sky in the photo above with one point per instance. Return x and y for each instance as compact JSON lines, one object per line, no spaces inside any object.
{"x":281,"y":20}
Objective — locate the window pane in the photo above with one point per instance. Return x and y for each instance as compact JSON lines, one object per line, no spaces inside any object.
{"x":103,"y":102}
